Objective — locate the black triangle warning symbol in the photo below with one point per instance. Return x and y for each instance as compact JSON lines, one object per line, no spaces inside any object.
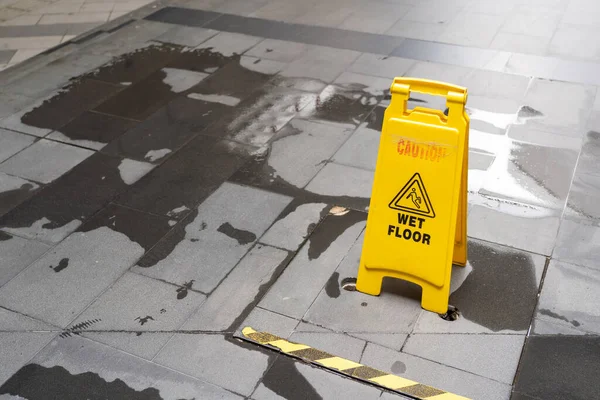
{"x":413,"y":198}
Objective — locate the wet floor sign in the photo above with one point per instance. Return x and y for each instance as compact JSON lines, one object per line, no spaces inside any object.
{"x":416,"y":227}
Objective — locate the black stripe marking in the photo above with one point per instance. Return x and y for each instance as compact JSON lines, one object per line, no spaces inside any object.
{"x":311,"y":354}
{"x":419,"y":390}
{"x":364,"y":372}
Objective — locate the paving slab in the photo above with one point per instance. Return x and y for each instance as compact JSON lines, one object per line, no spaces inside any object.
{"x":354,"y":312}
{"x":17,"y":348}
{"x":12,"y":143}
{"x":556,"y":366}
{"x":278,"y":50}
{"x":340,"y":180}
{"x":590,"y":153}
{"x":530,"y":228}
{"x":544,"y":327}
{"x":394,"y":341}
{"x":55,"y":74}
{"x":54,"y":160}
{"x":206,"y":245}
{"x":295,"y":226}
{"x":304,"y":278}
{"x":187,"y":178}
{"x":582,"y":203}
{"x":60,"y":106}
{"x":379,"y":65}
{"x":228,"y":363}
{"x":15,"y":190}
{"x":322,"y":63}
{"x":222,"y":311}
{"x":296,"y":155}
{"x":472,"y":353}
{"x":52,"y":214}
{"x":90,"y":367}
{"x":579,"y":97}
{"x":262,"y":320}
{"x":568,"y":299}
{"x":129,"y":38}
{"x":186,"y":36}
{"x":497,"y":84}
{"x":95,"y":256}
{"x":16,"y":254}
{"x":21,"y":338}
{"x":135,"y":65}
{"x":434,"y":374}
{"x":230,"y":43}
{"x":495,"y":293}
{"x":92,"y":130}
{"x":12,"y":103}
{"x":577,"y":242}
{"x":139,"y":100}
{"x":159,"y":307}
{"x":368,"y":83}
{"x":515,"y":173}
{"x":360,"y":150}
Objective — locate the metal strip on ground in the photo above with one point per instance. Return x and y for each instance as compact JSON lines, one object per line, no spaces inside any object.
{"x":349,"y":368}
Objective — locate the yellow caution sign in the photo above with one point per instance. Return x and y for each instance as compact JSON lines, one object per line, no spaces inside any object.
{"x":417,"y":223}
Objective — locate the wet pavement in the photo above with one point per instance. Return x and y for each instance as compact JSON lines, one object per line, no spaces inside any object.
{"x":208,"y":166}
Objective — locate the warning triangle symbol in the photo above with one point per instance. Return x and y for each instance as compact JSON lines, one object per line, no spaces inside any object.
{"x":413,"y":198}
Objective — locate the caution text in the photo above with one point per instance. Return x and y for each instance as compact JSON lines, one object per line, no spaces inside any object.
{"x":423,"y":151}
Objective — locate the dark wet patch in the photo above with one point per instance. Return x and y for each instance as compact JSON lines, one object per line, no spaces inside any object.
{"x":203,"y":226}
{"x":64,"y":263}
{"x":501,"y":291}
{"x":78,"y":328}
{"x":529,"y":112}
{"x":169,"y":128}
{"x":398,"y":367}
{"x":74,"y":196}
{"x":137,"y":65}
{"x":168,"y":243}
{"x":330,"y":230}
{"x":70,"y":102}
{"x":144,"y":320}
{"x":12,"y":198}
{"x":332,"y":287}
{"x":187,"y":177}
{"x":36,"y":382}
{"x":194,"y":240}
{"x":4,"y":236}
{"x":559,"y":367}
{"x":144,"y":229}
{"x":243,"y":237}
{"x":139,"y":100}
{"x":232,"y":80}
{"x":182,"y":291}
{"x":202,"y":60}
{"x":96,"y":127}
{"x":284,"y":379}
{"x":550,"y":313}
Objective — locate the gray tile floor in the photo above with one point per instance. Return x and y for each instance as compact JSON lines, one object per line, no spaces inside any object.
{"x":28,"y":28}
{"x":208,"y":166}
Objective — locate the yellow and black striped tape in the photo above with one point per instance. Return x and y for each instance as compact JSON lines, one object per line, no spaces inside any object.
{"x":349,"y":368}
